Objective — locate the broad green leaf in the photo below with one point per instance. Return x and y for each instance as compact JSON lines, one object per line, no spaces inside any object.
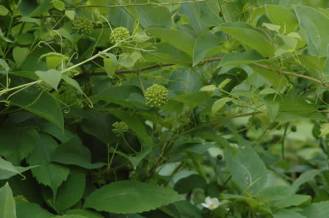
{"x":70,"y":14}
{"x":203,"y":45}
{"x":8,"y":170}
{"x":54,"y":59}
{"x":277,"y":80}
{"x":4,"y":68}
{"x":110,"y":64}
{"x":70,"y":216}
{"x":7,"y":202}
{"x":74,"y":153}
{"x":185,"y":81}
{"x":154,"y":16}
{"x":315,"y":24}
{"x":128,"y":60}
{"x":72,"y":82}
{"x":219,"y":104}
{"x":71,"y":192}
{"x":282,"y":16}
{"x":126,"y":96}
{"x":84,"y":212}
{"x":248,"y":171}
{"x":47,"y":173}
{"x":130,"y":197}
{"x":192,"y":99}
{"x":167,"y":54}
{"x":182,"y":209}
{"x":250,"y":37}
{"x":3,"y":10}
{"x":17,"y":143}
{"x":201,"y":16}
{"x":317,"y":210}
{"x":231,"y":10}
{"x":295,"y":107}
{"x":51,"y":175}
{"x":121,"y":17}
{"x":304,"y":178}
{"x":20,"y":54}
{"x":26,"y":209}
{"x":41,"y":104}
{"x":324,"y":129}
{"x":292,"y":201}
{"x":58,"y":4}
{"x":288,"y":214}
{"x":178,"y":39}
{"x":51,"y":77}
{"x":280,"y":197}
{"x":237,"y":59}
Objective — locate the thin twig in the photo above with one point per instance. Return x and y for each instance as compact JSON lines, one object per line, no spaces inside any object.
{"x":141,"y":4}
{"x":288,"y":73}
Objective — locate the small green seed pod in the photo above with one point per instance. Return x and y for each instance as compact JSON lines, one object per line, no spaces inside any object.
{"x":119,"y":128}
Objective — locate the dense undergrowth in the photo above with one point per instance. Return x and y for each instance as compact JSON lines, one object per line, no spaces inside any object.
{"x":164,"y":109}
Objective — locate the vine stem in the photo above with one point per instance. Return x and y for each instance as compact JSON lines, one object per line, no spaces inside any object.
{"x":26,"y":85}
{"x":288,"y":73}
{"x":91,"y":58}
{"x":214,"y":59}
{"x":23,"y":86}
{"x":140,"y":4}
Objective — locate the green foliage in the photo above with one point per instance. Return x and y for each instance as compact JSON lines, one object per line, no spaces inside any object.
{"x":164,"y":108}
{"x":7,"y":202}
{"x":130,"y":197}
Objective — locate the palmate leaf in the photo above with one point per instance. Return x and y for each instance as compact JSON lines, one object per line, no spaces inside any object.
{"x":129,"y":197}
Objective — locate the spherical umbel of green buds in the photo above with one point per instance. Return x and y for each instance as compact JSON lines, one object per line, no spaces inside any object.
{"x":83,"y":25}
{"x":156,"y":95}
{"x":119,"y":128}
{"x":119,"y":34}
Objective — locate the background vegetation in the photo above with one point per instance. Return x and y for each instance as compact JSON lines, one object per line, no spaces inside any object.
{"x":160,"y":109}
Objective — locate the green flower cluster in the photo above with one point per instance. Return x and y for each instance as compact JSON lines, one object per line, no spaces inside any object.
{"x":119,"y":34}
{"x":156,"y":95}
{"x":119,"y":128}
{"x":83,"y":25}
